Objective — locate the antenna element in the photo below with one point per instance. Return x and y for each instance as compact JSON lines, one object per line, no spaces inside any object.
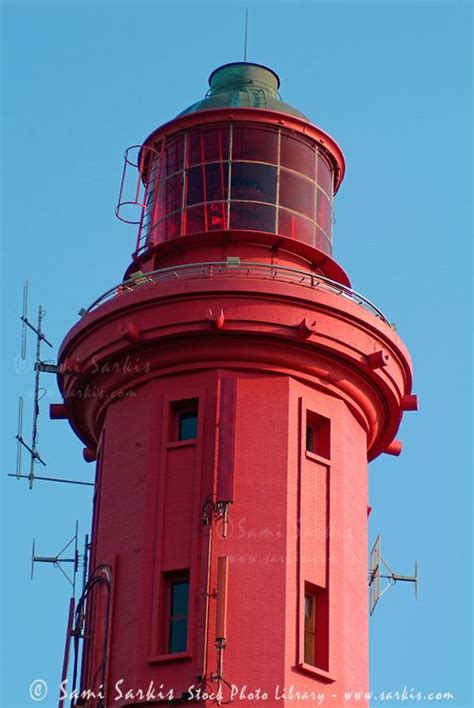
{"x":76,"y":559}
{"x":39,"y":393}
{"x":376,"y":562}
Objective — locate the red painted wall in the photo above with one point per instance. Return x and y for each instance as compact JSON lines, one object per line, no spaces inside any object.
{"x":297,"y":517}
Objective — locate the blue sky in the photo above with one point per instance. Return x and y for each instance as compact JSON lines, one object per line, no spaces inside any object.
{"x":391,"y":83}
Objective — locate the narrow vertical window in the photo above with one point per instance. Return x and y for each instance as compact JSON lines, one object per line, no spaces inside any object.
{"x":316,"y":626}
{"x":184,"y":420}
{"x":317,"y":434}
{"x":309,"y":628}
{"x":178,"y":592}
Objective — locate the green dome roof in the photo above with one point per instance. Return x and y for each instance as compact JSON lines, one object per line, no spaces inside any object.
{"x":243,"y":85}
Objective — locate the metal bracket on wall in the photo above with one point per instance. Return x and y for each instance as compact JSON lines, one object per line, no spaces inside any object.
{"x":216,"y":511}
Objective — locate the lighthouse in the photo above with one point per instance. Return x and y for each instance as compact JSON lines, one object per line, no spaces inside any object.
{"x":230,"y":390}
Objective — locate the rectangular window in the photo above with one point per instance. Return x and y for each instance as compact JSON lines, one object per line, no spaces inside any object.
{"x":178,"y":600}
{"x":316,"y":626}
{"x":317,"y":434}
{"x":184,"y":420}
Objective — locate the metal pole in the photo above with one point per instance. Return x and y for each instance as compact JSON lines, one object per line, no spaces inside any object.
{"x":34,"y":436}
{"x":246,"y":32}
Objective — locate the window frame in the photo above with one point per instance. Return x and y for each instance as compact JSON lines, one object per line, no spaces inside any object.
{"x":319,"y":661}
{"x":317,"y":440}
{"x":179,"y":409}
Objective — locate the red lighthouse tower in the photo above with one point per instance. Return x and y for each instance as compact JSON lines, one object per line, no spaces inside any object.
{"x":232,"y":390}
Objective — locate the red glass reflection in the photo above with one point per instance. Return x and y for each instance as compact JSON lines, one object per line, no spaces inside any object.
{"x":295,"y":226}
{"x":210,"y":217}
{"x":217,"y":216}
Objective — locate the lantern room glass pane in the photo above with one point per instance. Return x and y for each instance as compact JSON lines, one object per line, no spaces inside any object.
{"x":195,"y":185}
{"x":297,"y":193}
{"x":255,"y":144}
{"x":205,"y":217}
{"x":174,"y":155}
{"x":207,"y":183}
{"x":217,"y":181}
{"x":295,"y":226}
{"x":325,"y":176}
{"x":252,"y":182}
{"x":298,"y":155}
{"x":169,"y":228}
{"x":208,"y":145}
{"x":152,"y":176}
{"x":170,"y":195}
{"x":196,"y":151}
{"x":194,"y":219}
{"x":150,"y":197}
{"x":322,"y":241}
{"x":246,"y":215}
{"x":323,"y":213}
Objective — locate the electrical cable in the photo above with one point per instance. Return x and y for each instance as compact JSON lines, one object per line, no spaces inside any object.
{"x":94,"y":580}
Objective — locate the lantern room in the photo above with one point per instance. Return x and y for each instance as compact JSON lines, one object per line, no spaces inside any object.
{"x":239,"y":160}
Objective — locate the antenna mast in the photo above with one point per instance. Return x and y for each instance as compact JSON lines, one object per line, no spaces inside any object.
{"x":246,"y":32}
{"x":39,"y":393}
